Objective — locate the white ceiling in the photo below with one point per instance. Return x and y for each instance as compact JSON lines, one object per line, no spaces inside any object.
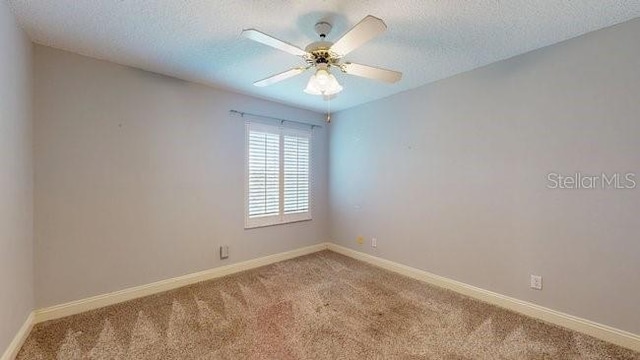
{"x":200,"y":40}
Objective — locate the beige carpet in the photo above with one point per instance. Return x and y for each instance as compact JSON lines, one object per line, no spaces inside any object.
{"x":320,"y":306}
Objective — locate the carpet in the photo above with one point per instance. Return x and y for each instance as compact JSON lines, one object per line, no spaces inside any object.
{"x":319,"y":306}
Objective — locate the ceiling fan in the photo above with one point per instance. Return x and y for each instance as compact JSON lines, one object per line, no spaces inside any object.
{"x":323,"y":55}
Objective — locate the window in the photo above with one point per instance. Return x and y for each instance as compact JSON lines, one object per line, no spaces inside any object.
{"x":277,"y":174}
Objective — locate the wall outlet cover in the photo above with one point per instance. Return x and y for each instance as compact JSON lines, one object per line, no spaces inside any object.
{"x":224,"y":252}
{"x":536,"y":282}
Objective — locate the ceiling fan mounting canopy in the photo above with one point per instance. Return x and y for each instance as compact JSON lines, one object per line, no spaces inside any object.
{"x":322,"y":55}
{"x":323,"y":29}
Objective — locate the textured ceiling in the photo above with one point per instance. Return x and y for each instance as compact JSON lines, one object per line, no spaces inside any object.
{"x":200,"y":40}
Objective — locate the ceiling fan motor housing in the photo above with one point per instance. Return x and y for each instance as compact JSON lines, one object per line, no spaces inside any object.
{"x":320,"y":53}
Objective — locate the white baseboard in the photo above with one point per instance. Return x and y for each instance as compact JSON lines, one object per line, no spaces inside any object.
{"x":12,"y":351}
{"x":95,"y":302}
{"x":600,"y":331}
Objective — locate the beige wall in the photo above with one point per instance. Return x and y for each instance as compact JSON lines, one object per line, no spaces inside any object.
{"x":451,"y":177}
{"x":140,"y":177}
{"x":16,"y":179}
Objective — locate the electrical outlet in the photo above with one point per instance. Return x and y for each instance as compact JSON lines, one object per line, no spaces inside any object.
{"x":374,"y":242}
{"x":224,"y":252}
{"x":536,"y":282}
{"x":360,"y":240}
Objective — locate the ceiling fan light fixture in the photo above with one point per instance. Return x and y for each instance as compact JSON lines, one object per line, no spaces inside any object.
{"x":323,"y":83}
{"x":322,"y":77}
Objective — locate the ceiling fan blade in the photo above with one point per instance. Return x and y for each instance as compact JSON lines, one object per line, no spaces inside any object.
{"x":263,"y":38}
{"x":279,"y":77}
{"x":365,"y":30}
{"x":371,"y":72}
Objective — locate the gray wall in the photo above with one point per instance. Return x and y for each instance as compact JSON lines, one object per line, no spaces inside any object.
{"x":16,"y":178}
{"x":140,"y":177}
{"x":452,"y":177}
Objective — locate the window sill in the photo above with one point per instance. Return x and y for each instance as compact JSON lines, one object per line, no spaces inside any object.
{"x":269,"y":224}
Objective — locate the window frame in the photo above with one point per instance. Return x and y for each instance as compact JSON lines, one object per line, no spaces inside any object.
{"x":281,"y":218}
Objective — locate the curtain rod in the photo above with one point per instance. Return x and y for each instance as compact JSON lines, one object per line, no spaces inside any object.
{"x":242,"y":114}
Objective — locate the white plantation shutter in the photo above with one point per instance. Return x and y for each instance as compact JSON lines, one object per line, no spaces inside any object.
{"x":296,"y":172}
{"x":264,"y":172}
{"x":278,"y":174}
